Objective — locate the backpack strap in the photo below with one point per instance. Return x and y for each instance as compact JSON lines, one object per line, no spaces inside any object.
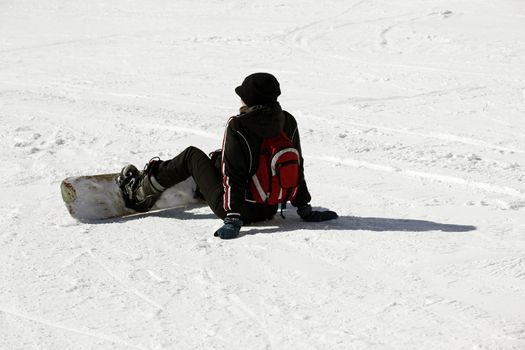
{"x":283,"y":207}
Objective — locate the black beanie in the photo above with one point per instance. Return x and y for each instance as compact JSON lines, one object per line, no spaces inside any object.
{"x":259,"y":89}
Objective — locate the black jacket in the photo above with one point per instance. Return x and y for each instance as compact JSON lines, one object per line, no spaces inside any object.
{"x":240,"y":155}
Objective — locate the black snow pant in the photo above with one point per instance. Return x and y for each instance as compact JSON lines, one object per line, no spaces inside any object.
{"x":207,"y":175}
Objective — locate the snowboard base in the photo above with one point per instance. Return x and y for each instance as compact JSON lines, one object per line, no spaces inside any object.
{"x":98,"y":197}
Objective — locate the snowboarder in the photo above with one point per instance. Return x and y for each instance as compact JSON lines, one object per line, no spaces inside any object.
{"x":223,"y":178}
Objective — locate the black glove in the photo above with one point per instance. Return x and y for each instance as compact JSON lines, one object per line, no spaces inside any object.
{"x":307,"y":214}
{"x":230,"y":229}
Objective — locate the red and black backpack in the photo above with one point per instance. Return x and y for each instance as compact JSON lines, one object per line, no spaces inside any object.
{"x":277,"y":177}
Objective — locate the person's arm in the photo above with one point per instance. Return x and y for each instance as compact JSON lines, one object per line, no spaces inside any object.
{"x":235,"y":167}
{"x":303,"y":197}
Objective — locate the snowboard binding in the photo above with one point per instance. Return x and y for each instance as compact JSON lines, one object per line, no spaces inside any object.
{"x":140,"y":190}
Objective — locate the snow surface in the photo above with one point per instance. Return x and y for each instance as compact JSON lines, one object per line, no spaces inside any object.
{"x":411,"y":114}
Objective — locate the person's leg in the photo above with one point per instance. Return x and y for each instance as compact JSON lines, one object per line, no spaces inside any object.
{"x":140,"y":189}
{"x":194,"y":162}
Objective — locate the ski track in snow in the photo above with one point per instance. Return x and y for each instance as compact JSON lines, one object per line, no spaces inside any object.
{"x":423,"y":175}
{"x":51,"y":324}
{"x":410,"y":117}
{"x":119,"y":280}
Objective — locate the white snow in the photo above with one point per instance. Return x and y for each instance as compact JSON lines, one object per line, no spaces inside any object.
{"x":412,"y":121}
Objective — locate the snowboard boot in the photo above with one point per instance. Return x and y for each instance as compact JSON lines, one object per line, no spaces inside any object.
{"x":140,"y":189}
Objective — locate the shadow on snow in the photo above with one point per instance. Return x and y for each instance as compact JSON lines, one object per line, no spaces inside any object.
{"x":292,"y":222}
{"x":355,"y":223}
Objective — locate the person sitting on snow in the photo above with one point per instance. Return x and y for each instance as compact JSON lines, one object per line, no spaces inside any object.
{"x":227,"y":178}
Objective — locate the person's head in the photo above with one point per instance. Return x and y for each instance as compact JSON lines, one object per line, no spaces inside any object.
{"x":259,"y":89}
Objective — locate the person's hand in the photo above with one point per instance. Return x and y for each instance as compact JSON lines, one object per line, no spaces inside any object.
{"x":230,"y":229}
{"x":308,"y":214}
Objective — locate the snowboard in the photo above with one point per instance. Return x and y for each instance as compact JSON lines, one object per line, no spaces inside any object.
{"x":98,"y":197}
